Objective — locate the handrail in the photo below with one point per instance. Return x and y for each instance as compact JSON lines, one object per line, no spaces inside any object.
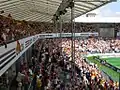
{"x":10,"y":41}
{"x":55,"y":35}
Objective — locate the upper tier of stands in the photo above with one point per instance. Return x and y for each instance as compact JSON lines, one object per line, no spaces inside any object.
{"x":11,"y":29}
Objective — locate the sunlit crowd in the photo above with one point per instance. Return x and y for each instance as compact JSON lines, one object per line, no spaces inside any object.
{"x":11,"y":29}
{"x":90,"y":74}
{"x":52,"y":66}
{"x":56,"y":70}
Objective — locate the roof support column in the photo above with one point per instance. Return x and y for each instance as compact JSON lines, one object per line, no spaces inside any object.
{"x":72,"y":43}
{"x":61,"y":27}
{"x":56,"y":26}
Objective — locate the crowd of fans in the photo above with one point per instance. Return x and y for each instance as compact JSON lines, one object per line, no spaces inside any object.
{"x":11,"y":29}
{"x":52,"y":68}
{"x":100,"y":45}
{"x":91,"y":76}
{"x":66,"y":27}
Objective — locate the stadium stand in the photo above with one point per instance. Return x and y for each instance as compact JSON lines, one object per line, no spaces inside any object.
{"x":13,"y":29}
{"x":53,"y":70}
{"x":39,"y":57}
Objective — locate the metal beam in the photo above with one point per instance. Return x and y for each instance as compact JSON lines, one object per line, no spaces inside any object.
{"x":41,"y":12}
{"x":34,"y":16}
{"x":48,"y":20}
{"x":3,"y":1}
{"x":32,"y":19}
{"x":92,"y":4}
{"x":12,"y":4}
{"x":75,"y":12}
{"x":63,"y":6}
{"x":82,"y":4}
{"x":18,"y":12}
{"x":55,"y":1}
{"x":44,"y":18}
{"x":9,"y":2}
{"x":51,"y":2}
{"x":80,"y":9}
{"x":22,"y":16}
{"x":38,"y":3}
{"x":15,"y":8}
{"x":43,"y":9}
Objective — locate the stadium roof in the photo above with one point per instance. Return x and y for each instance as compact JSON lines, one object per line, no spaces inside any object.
{"x":43,"y":10}
{"x":98,"y":20}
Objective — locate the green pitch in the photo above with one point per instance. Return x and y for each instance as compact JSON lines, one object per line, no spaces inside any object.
{"x":113,"y":74}
{"x":113,"y":61}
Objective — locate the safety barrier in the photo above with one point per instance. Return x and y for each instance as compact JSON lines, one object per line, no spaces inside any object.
{"x":8,"y":56}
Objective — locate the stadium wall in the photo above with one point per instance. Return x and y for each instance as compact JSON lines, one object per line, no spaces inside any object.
{"x":107,"y":32}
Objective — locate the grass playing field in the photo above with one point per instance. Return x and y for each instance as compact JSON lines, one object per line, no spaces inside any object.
{"x":113,"y":61}
{"x":113,"y":74}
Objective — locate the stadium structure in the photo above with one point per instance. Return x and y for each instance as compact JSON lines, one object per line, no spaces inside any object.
{"x":43,"y":48}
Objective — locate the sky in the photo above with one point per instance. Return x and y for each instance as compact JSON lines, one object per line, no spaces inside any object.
{"x":111,"y":10}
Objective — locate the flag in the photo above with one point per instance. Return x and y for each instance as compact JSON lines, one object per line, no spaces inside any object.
{"x":18,"y":47}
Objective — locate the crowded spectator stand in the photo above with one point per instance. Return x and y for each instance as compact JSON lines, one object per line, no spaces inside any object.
{"x":51,"y":74}
{"x":38,"y":72}
{"x":12,"y":29}
{"x":80,"y":62}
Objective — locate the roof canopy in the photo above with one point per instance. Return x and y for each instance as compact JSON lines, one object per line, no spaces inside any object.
{"x":43,"y":10}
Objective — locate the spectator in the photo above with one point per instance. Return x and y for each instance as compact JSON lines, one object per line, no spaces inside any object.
{"x":3,"y":39}
{"x":19,"y":79}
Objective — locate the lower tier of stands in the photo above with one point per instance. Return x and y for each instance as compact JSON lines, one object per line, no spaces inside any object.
{"x":45,"y":66}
